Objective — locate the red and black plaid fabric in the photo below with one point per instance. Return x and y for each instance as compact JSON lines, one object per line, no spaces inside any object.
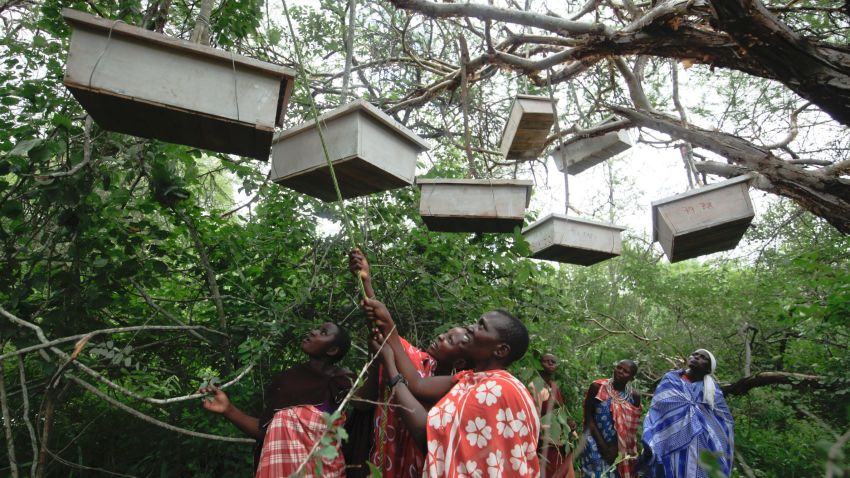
{"x":289,"y":438}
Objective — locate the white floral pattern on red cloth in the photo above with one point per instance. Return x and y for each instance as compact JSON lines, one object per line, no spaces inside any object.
{"x":395,"y":453}
{"x":487,"y":425}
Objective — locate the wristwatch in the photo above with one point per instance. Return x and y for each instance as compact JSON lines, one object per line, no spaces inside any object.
{"x":399,"y":378}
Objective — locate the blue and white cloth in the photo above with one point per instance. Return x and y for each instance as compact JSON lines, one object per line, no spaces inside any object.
{"x":591,"y":462}
{"x":681,"y":425}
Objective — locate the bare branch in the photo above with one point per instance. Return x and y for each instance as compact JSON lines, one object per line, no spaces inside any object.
{"x":70,"y":359}
{"x":487,"y":12}
{"x":164,"y":312}
{"x":635,"y":88}
{"x":211,"y":280}
{"x":26,"y":413}
{"x":7,"y":425}
{"x":116,"y":330}
{"x":92,"y":389}
{"x":761,"y":379}
{"x":834,"y":456}
{"x":793,"y":130}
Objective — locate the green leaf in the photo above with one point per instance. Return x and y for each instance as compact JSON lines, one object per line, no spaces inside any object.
{"x":24,"y":147}
{"x":328,"y":452}
{"x":374,"y":471}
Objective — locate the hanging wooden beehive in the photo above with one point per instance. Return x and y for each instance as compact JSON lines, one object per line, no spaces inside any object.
{"x":562,"y":238}
{"x":589,"y":152}
{"x":702,"y":221}
{"x":525,"y":133}
{"x":146,"y":84}
{"x":473,"y":205}
{"x":370,"y":152}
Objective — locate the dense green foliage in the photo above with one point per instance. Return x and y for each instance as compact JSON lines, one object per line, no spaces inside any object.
{"x":136,"y":235}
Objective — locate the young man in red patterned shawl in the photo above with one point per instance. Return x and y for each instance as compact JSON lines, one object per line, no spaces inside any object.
{"x":296,"y":399}
{"x":394,"y":452}
{"x":485,"y":421}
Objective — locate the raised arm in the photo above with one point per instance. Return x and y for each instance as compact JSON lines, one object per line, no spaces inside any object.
{"x":428,"y":389}
{"x":218,"y":402}
{"x":358,"y":265}
{"x":413,"y":414}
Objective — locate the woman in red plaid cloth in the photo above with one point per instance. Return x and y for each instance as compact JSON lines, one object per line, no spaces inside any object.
{"x":611,"y":417}
{"x":485,"y":420}
{"x":296,"y":399}
{"x":394,"y":452}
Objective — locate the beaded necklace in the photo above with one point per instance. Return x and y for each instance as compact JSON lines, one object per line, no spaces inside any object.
{"x":621,"y":397}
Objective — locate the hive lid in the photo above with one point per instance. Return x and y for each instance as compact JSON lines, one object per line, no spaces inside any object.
{"x":116,"y":27}
{"x":526,"y":183}
{"x":533,"y":97}
{"x":558,"y":215}
{"x":348,"y":108}
{"x":701,"y":190}
{"x":478,"y":182}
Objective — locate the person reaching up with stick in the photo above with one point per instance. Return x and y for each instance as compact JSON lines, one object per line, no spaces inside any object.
{"x":395,"y":453}
{"x":292,"y":421}
{"x":484,"y":420}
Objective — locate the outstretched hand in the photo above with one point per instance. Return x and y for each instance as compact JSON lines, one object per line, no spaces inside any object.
{"x":216,"y":401}
{"x":379,"y":316}
{"x":379,"y":348}
{"x":358,"y":264}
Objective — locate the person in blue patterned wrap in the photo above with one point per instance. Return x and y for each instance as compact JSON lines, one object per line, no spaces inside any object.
{"x":688,"y":416}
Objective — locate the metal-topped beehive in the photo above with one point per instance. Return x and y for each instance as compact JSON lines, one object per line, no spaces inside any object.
{"x":562,"y":238}
{"x":473,"y":205}
{"x":146,"y":84}
{"x":529,"y":122}
{"x":370,"y":153}
{"x":702,"y":221}
{"x":588,"y":152}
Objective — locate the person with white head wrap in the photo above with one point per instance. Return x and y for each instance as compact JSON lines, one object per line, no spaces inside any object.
{"x":687,"y":417}
{"x":709,"y":382}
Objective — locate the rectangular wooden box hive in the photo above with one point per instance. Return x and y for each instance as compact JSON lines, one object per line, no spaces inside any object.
{"x":473,"y":205}
{"x":529,"y":122}
{"x":561,"y":238}
{"x":702,"y":221}
{"x":370,"y":152}
{"x":146,"y":84}
{"x":588,"y":152}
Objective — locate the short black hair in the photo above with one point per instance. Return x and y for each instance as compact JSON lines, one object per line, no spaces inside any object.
{"x":342,"y":341}
{"x":513,"y":332}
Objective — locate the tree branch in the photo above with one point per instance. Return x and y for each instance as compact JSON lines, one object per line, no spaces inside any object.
{"x":7,"y":424}
{"x":820,"y":75}
{"x":165,"y":313}
{"x":762,"y":379}
{"x":116,"y":330}
{"x":25,"y":397}
{"x":827,"y":197}
{"x":92,"y":389}
{"x":486,"y":12}
{"x":211,"y":280}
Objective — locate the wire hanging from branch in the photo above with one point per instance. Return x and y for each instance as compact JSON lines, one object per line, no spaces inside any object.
{"x":346,"y":221}
{"x":561,"y":148}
